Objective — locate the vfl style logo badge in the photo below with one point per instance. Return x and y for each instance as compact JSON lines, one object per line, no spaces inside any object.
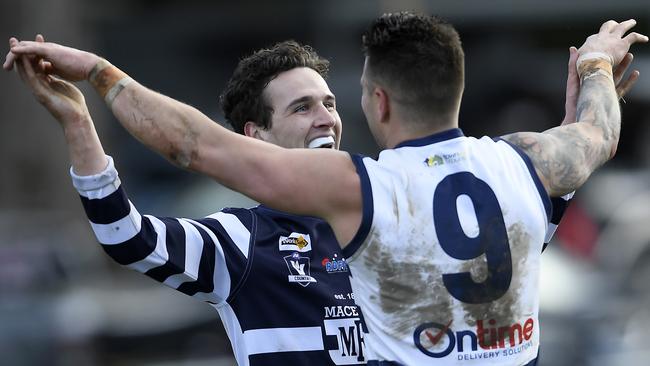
{"x":299,"y":269}
{"x":296,"y":242}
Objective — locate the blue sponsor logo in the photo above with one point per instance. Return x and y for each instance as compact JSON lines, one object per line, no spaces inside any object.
{"x":335,"y":264}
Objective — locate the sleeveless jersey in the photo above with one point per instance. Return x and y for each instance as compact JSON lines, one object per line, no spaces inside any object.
{"x":278,"y":281}
{"x":446,"y":263}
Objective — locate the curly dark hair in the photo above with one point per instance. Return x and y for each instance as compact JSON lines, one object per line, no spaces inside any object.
{"x":243,"y":99}
{"x":419,"y":58}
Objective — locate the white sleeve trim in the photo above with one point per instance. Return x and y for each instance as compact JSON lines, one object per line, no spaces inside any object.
{"x":97,"y":186}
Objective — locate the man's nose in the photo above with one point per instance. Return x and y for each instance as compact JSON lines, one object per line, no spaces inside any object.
{"x":325,"y":117}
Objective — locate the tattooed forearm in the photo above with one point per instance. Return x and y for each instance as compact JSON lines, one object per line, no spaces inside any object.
{"x":598,"y":104}
{"x":565,"y":156}
{"x":560,"y":169}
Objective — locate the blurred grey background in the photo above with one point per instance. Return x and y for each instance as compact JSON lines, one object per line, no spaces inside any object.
{"x":64,"y":302}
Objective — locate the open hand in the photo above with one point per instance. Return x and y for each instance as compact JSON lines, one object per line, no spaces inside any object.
{"x":61,"y":98}
{"x":610,"y":40}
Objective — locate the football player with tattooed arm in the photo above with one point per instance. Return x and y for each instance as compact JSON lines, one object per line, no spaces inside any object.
{"x":427,"y":290}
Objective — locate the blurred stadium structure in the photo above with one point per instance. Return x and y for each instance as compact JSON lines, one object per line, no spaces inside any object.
{"x":63,"y":302}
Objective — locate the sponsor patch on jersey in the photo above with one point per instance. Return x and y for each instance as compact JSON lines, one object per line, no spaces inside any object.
{"x":296,"y":242}
{"x":442,"y":159}
{"x":434,"y":160}
{"x":489,"y":340}
{"x":335,"y":264}
{"x":299,"y":269}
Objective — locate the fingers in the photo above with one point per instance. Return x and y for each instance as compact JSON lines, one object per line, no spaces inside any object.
{"x":608,"y":26}
{"x":43,"y":66}
{"x":635,"y":37}
{"x":572,"y":88}
{"x":621,"y":68}
{"x":10,"y":59}
{"x":621,"y":28}
{"x":573,"y":80}
{"x":28,"y":71}
{"x":21,"y":70}
{"x":624,"y":87}
{"x":30,"y":47}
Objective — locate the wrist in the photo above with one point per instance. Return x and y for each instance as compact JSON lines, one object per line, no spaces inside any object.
{"x":77,"y":129}
{"x":593,"y":55}
{"x":108,"y":80}
{"x":592,"y":64}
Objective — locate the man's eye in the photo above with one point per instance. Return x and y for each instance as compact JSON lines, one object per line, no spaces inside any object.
{"x":329,"y":105}
{"x":301,"y":108}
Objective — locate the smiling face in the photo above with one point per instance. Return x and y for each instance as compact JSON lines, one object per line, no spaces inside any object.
{"x":304,"y":112}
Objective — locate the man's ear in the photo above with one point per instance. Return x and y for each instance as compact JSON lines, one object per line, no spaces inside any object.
{"x":383,"y":104}
{"x":252,"y":129}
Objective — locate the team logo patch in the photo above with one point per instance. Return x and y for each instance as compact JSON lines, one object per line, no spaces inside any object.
{"x":299,"y":269}
{"x":296,"y":242}
{"x":335,"y":264}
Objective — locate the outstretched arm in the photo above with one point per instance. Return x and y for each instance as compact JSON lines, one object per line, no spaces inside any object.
{"x":320,"y":182}
{"x":565,"y":156}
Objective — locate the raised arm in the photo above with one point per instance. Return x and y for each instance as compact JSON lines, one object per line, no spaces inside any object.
{"x":565,"y":156}
{"x":317,"y":182}
{"x":187,"y":255}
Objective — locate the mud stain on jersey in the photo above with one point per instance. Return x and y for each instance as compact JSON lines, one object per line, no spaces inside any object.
{"x":507,"y":309}
{"x":410,"y":293}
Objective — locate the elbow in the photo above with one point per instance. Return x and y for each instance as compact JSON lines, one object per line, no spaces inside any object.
{"x":186,"y":159}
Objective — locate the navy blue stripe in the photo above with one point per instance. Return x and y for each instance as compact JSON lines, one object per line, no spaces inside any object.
{"x":432,"y":139}
{"x":108,"y":209}
{"x":239,"y":267}
{"x":136,"y":248}
{"x":533,"y":173}
{"x":243,"y":214}
{"x":205,"y":281}
{"x":368,"y":208}
{"x":559,"y":208}
{"x":383,"y":363}
{"x":235,"y":260}
{"x":175,"y":242}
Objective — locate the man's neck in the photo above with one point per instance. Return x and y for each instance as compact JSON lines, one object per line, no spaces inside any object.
{"x":401,"y":133}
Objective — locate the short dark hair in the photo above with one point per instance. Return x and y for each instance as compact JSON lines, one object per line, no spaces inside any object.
{"x":418,"y":57}
{"x":243,"y":100}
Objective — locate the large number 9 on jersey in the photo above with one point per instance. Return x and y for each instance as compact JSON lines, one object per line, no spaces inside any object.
{"x":492,"y":238}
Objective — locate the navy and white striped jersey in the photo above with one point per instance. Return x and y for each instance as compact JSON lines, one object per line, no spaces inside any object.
{"x":446,"y":262}
{"x":278,"y":281}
